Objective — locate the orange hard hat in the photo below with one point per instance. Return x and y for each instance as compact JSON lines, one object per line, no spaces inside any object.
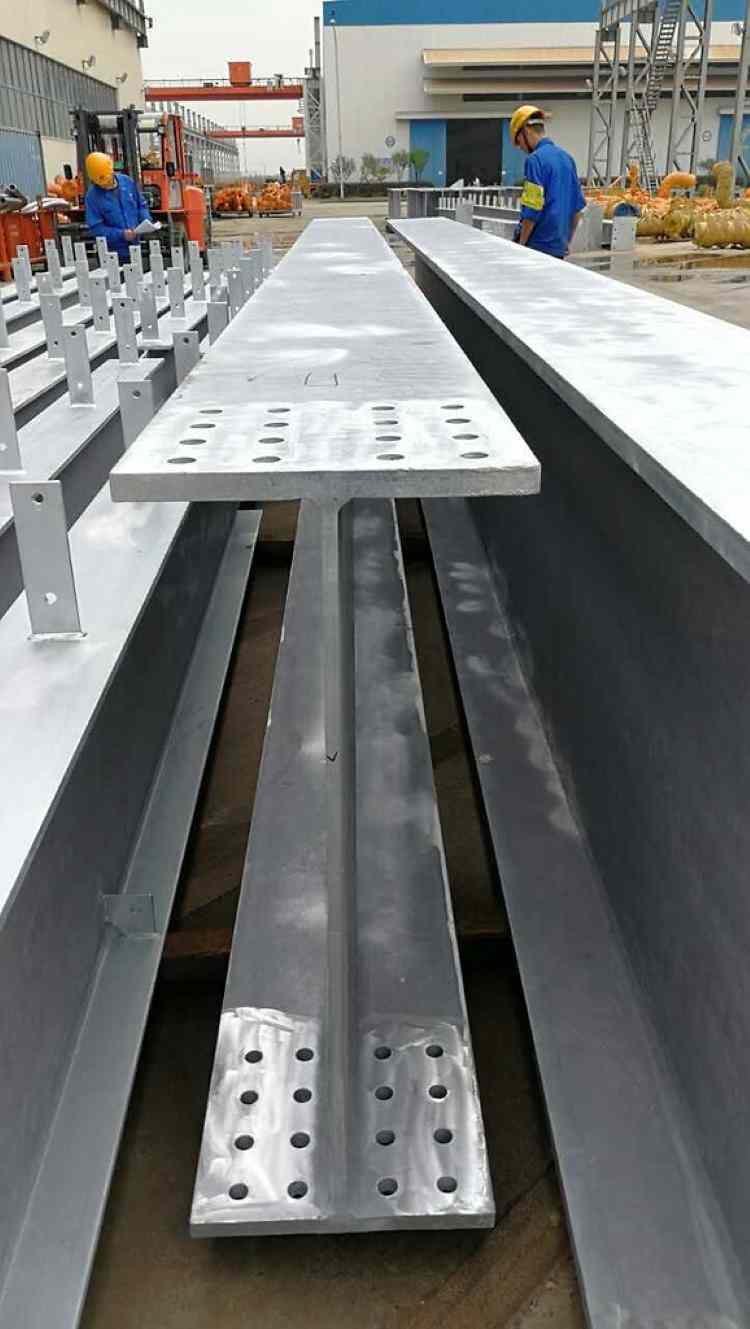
{"x":100,"y":169}
{"x":525,"y":115}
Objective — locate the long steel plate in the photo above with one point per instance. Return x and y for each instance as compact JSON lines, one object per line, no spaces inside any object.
{"x":368,"y":1117}
{"x":336,"y":379}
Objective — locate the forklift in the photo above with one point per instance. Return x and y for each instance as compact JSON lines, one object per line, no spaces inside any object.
{"x":150,"y":148}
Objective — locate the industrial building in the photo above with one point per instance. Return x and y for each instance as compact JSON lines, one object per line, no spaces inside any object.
{"x":445,"y":76}
{"x":59,"y":54}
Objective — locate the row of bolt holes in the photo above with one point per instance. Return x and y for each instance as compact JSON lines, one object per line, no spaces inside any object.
{"x":379,"y":438}
{"x":202,"y":424}
{"x":300,"y":1139}
{"x":396,"y":438}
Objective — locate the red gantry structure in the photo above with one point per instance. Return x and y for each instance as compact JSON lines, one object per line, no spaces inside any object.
{"x":295,"y":130}
{"x":240,"y":86}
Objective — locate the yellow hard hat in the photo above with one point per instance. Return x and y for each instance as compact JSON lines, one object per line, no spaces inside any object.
{"x":100,"y":170}
{"x":522,"y":117}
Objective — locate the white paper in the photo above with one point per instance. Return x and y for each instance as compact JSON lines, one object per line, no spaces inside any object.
{"x":146,"y":227}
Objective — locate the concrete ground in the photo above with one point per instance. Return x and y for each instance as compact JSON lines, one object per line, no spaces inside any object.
{"x":148,"y":1273}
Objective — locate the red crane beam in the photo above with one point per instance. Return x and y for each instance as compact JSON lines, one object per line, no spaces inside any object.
{"x":283,"y":132}
{"x":222,"y":90}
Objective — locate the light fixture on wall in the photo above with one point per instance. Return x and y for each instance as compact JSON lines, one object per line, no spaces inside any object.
{"x":121,"y":78}
{"x":42,"y":38}
{"x":88,"y":64}
{"x":738,"y":29}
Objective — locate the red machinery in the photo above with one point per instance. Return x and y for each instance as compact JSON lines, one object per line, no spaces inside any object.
{"x":150,"y":148}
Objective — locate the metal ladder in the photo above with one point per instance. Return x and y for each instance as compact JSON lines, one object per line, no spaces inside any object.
{"x":641,"y":109}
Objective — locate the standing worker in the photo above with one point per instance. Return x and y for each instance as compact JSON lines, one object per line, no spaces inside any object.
{"x":552,"y":200}
{"x":114,"y":204}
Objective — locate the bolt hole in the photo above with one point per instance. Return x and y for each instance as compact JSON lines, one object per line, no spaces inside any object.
{"x":387,"y":1185}
{"x":202,"y":424}
{"x":38,"y":499}
{"x":384,"y":408}
{"x":447,"y":1184}
{"x":305,"y":1054}
{"x":387,"y":438}
{"x":136,"y":392}
{"x":190,"y":442}
{"x":50,"y":598}
{"x":244,"y":1142}
{"x":300,"y":1140}
{"x":438,"y":1091}
{"x":434,"y":1050}
{"x":248,"y":1097}
{"x":458,"y":420}
{"x":254,"y":1056}
{"x":239,"y":1191}
{"x":266,"y":460}
{"x":297,"y":1190}
{"x":474,"y":456}
{"x":276,"y":424}
{"x":270,"y":440}
{"x":385,"y":1137}
{"x":384,"y":1092}
{"x":457,"y":406}
{"x":468,"y":438}
{"x":279,"y":410}
{"x":390,"y":456}
{"x":211,"y":410}
{"x":443,"y":1135}
{"x":180,"y":461}
{"x":382,"y":1053}
{"x":302,"y":1095}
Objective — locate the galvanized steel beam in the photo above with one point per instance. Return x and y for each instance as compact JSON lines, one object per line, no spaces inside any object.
{"x":343,"y":1095}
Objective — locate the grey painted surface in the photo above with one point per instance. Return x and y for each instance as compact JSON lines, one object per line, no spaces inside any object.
{"x":663,"y":385}
{"x":636,"y":639}
{"x":335,"y":380}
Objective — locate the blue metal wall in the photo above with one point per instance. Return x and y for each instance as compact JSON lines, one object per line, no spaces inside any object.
{"x":21,"y":161}
{"x":375,"y":13}
{"x":513,"y":158}
{"x":430,"y":135}
{"x":726,"y":125}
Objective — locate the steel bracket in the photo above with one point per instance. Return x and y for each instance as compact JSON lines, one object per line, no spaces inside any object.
{"x":44,"y":551}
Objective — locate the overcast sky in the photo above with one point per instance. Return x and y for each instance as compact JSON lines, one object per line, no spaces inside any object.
{"x":196,"y":38}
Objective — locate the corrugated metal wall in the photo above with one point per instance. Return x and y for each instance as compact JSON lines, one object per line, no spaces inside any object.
{"x":37,"y":93}
{"x":21,"y":161}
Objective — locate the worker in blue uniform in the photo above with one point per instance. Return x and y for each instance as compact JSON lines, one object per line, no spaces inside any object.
{"x":114,"y":204}
{"x":552,"y":200}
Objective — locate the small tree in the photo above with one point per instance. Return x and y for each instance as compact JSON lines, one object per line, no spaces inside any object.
{"x":418,"y":160}
{"x":381,"y":172}
{"x":369,"y":168}
{"x":400,"y":163}
{"x":343,"y":168}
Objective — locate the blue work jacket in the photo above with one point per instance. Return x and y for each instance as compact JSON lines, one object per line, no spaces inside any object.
{"x":111,"y":212}
{"x":551,"y":197}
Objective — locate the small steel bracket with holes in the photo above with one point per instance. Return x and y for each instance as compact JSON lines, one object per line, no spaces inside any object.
{"x":52,"y":318}
{"x":186,"y":353}
{"x":22,"y":279}
{"x":149,"y":318}
{"x":44,"y":550}
{"x":101,"y":251}
{"x":113,"y":273}
{"x":158,"y":280}
{"x":218,"y":318}
{"x":197,"y":277}
{"x":83,"y":281}
{"x":136,"y":261}
{"x":131,"y":281}
{"x":10,"y":454}
{"x":127,"y":342}
{"x":130,"y":915}
{"x":99,"y":301}
{"x":176,"y":289}
{"x":68,"y":254}
{"x":236,"y":290}
{"x":137,"y":407}
{"x":78,"y":366}
{"x":178,"y":259}
{"x":4,"y":334}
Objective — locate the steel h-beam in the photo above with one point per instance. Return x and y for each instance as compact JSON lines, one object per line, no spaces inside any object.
{"x":688,"y":101}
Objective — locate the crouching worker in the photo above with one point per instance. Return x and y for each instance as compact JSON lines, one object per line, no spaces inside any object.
{"x":114,"y":204}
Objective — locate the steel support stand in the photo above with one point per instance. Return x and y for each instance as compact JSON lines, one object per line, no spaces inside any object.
{"x":10,"y":455}
{"x":44,"y":551}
